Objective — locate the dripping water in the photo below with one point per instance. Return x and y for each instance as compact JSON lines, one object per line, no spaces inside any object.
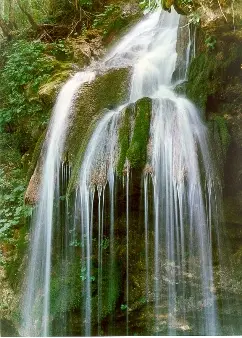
{"x":35,"y":305}
{"x":180,"y":163}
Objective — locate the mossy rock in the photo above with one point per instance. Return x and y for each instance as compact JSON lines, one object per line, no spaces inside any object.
{"x":49,"y":91}
{"x":124,"y":138}
{"x":134,"y":147}
{"x":108,"y":90}
{"x":181,"y":88}
{"x":36,"y":154}
{"x":181,"y":7}
{"x":208,"y":72}
{"x":8,"y":329}
{"x":220,"y":142}
{"x":166,"y":4}
{"x":137,"y":151}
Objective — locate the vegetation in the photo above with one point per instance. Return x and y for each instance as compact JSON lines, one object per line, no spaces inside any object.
{"x":211,"y":67}
{"x":37,"y":46}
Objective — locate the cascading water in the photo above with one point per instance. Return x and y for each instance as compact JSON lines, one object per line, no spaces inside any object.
{"x":181,"y":224}
{"x":178,"y":188}
{"x":36,"y":302}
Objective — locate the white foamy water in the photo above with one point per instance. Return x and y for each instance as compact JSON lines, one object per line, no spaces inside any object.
{"x":177,"y":135}
{"x":182,"y":175}
{"x":37,"y":295}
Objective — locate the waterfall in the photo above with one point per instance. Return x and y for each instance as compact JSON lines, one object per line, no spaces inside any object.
{"x":179,"y":186}
{"x":35,"y":304}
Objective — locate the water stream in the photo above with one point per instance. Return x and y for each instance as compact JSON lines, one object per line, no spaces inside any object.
{"x":179,"y":189}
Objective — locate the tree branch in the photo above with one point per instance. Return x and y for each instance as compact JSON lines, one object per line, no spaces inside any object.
{"x":28,"y":15}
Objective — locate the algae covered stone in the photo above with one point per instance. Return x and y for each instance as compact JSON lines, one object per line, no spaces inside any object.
{"x":108,"y":91}
{"x":133,"y":141}
{"x":136,"y":153}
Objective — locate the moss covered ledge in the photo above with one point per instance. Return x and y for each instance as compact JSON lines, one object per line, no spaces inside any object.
{"x":134,"y":148}
{"x":108,"y":90}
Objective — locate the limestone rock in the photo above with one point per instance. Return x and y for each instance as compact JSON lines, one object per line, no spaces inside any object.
{"x":32,"y":193}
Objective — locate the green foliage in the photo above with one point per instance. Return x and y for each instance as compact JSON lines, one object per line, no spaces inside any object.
{"x":86,"y":3}
{"x":123,"y":307}
{"x":35,"y":156}
{"x":15,"y":264}
{"x":111,"y":20}
{"x":207,"y":73}
{"x":26,"y":67}
{"x":13,"y":212}
{"x":210,"y":42}
{"x":186,"y":2}
{"x":111,"y":286}
{"x":102,"y":18}
{"x":68,"y":283}
{"x":105,"y":243}
{"x":61,"y":50}
{"x":148,"y":4}
{"x":194,"y":18}
{"x":225,"y":138}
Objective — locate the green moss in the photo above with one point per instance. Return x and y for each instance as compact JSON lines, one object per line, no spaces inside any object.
{"x":220,"y":133}
{"x":14,"y":268}
{"x":111,"y":287}
{"x":208,"y":72}
{"x":223,"y":131}
{"x":124,"y":139}
{"x":72,"y":278}
{"x":49,"y":91}
{"x":180,"y":89}
{"x":68,"y":278}
{"x":220,"y":142}
{"x":79,"y":158}
{"x":166,"y":4}
{"x":179,"y":5}
{"x":198,"y":76}
{"x":106,"y":91}
{"x":182,"y":6}
{"x":137,"y":151}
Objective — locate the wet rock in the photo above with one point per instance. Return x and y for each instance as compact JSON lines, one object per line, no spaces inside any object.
{"x":48,"y":92}
{"x":31,"y":196}
{"x":87,"y":48}
{"x":8,"y":305}
{"x":8,"y":329}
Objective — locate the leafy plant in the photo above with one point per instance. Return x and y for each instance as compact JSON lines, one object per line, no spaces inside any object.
{"x":12,"y":208}
{"x":25,"y":68}
{"x":210,"y":42}
{"x":194,"y":18}
{"x":123,"y":307}
{"x":105,"y":243}
{"x":110,"y":20}
{"x":148,"y":4}
{"x":61,"y":50}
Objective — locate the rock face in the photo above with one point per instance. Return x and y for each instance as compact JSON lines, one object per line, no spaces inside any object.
{"x":8,"y":305}
{"x":92,"y":100}
{"x":215,"y":85}
{"x":108,"y":90}
{"x":88,"y":48}
{"x":32,"y":193}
